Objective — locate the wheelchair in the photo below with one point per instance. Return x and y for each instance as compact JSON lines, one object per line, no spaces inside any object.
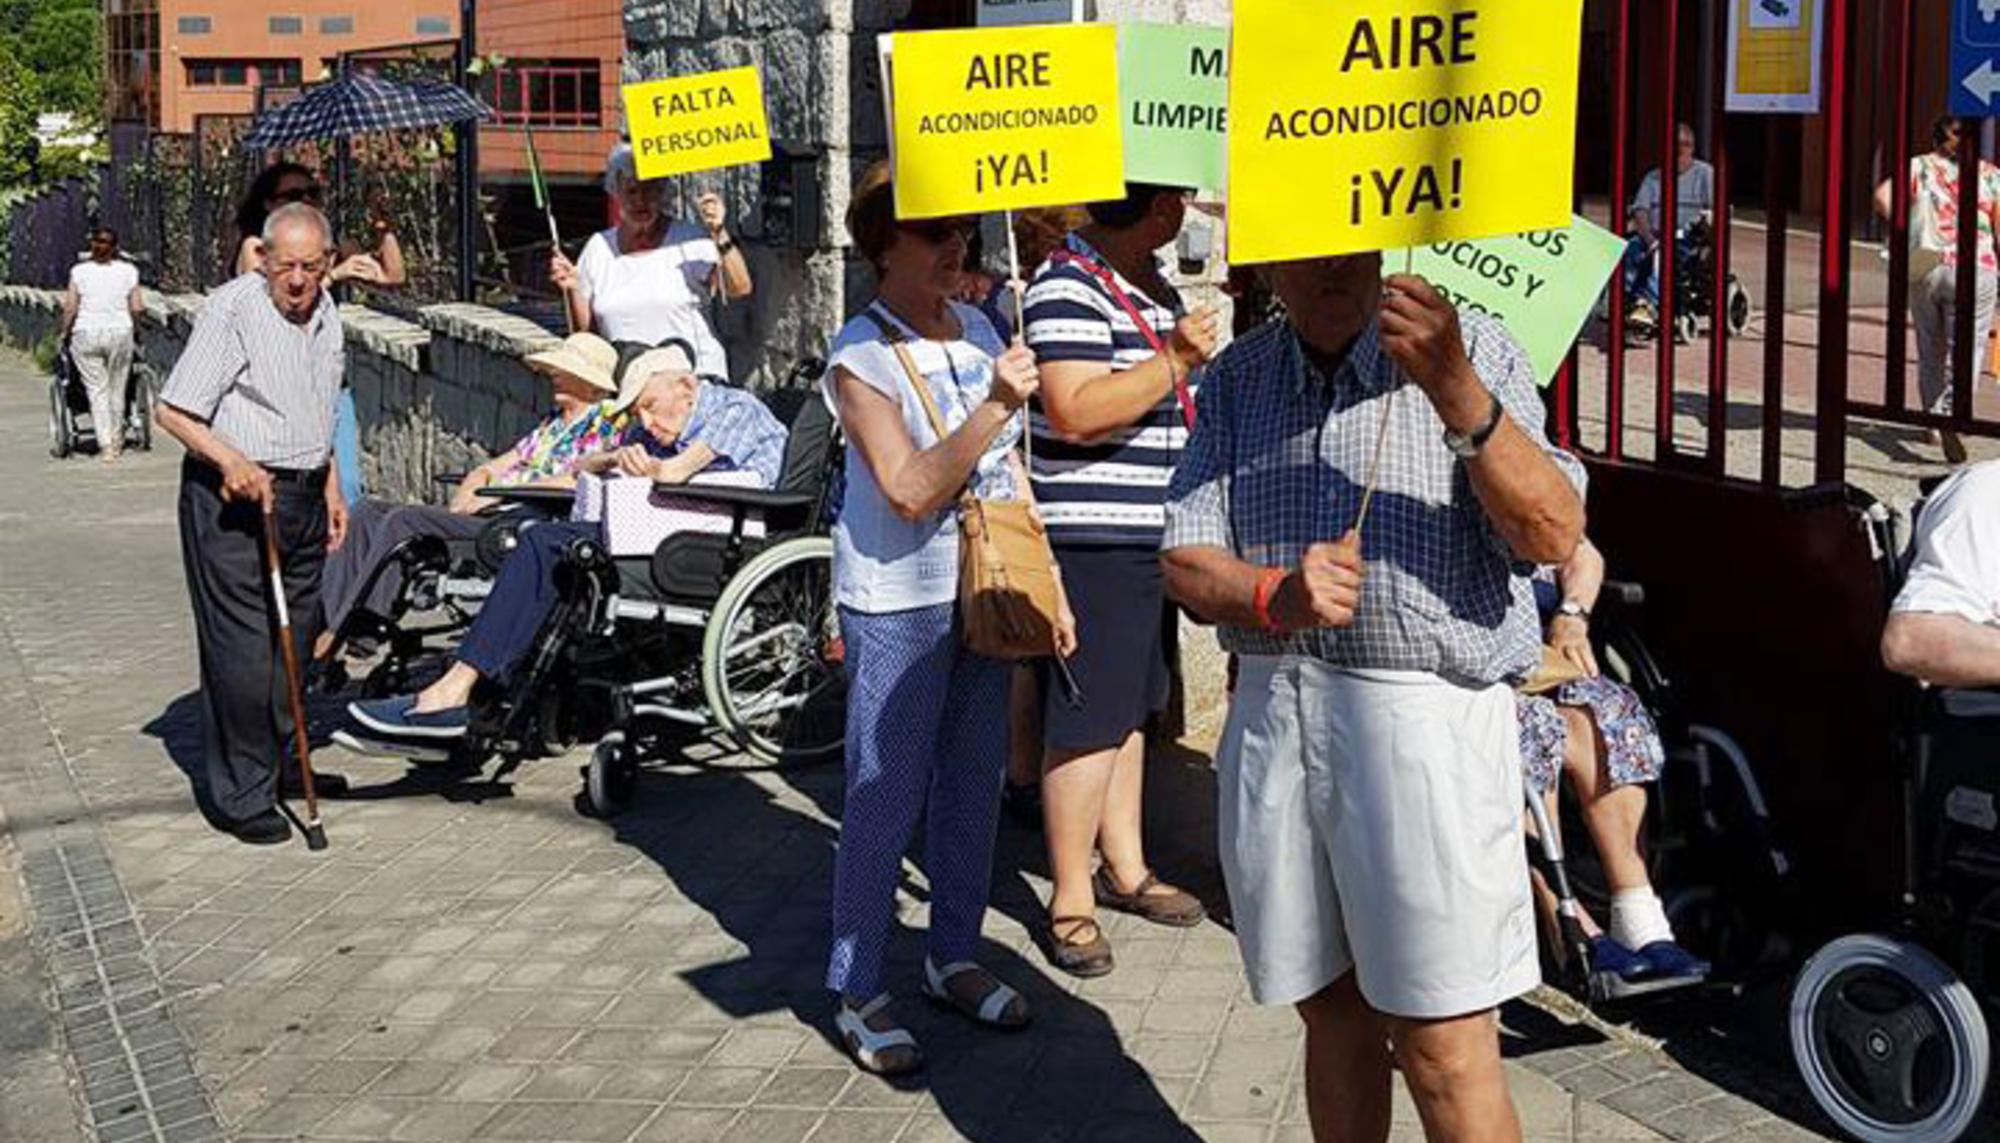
{"x":69,"y":407}
{"x":1889,"y":1029}
{"x":712,"y":632}
{"x":1708,"y":839}
{"x":443,"y":582}
{"x":1694,"y":289}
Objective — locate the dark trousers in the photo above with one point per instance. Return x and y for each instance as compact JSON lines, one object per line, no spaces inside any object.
{"x":245,"y":715}
{"x":523,"y":595}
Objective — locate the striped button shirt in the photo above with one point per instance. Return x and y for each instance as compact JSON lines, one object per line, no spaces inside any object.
{"x":738,"y":428}
{"x":1109,"y":490}
{"x":265,"y":384}
{"x":1278,"y":461}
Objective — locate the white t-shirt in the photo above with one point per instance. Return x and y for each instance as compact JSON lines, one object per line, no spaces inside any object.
{"x":652,"y":295}
{"x":1956,"y":564}
{"x":104,"y":290}
{"x":882,"y":562}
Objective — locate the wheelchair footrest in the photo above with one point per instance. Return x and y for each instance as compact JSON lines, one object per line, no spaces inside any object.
{"x":1609,"y":987}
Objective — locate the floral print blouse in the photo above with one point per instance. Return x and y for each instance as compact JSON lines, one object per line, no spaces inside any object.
{"x":553,"y":449}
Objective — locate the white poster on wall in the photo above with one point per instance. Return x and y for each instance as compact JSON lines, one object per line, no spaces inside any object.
{"x":1010,"y":13}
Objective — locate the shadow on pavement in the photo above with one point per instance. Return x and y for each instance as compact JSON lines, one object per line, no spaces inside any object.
{"x":764,"y":871}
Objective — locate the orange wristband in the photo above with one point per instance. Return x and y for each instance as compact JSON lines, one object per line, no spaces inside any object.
{"x":1267,"y":586}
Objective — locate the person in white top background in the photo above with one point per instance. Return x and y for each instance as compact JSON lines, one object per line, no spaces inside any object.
{"x":1944,"y":626}
{"x":649,"y":278}
{"x":97,"y":311}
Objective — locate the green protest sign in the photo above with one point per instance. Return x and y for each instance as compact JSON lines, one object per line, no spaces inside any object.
{"x":1541,"y":285}
{"x":1173,"y":82}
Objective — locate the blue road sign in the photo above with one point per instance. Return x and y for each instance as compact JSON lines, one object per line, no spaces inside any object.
{"x":1975,"y":58}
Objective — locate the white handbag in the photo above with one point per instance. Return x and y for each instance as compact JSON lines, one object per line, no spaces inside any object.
{"x":633,"y":516}
{"x":1927,"y":245}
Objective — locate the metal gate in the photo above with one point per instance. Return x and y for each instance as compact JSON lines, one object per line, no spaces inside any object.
{"x":1649,"y":57}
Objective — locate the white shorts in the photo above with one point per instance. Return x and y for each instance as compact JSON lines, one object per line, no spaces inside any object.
{"x":1372,"y":820}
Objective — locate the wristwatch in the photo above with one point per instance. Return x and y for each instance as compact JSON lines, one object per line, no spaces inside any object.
{"x":1465,"y":446}
{"x":1573,"y":609}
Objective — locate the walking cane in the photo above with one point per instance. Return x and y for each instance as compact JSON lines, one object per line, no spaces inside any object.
{"x":315,"y":832}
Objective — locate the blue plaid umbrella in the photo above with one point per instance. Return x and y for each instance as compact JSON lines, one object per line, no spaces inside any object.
{"x":359,"y":103}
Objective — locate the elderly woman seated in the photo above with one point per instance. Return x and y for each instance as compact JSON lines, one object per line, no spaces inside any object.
{"x":691,"y":426}
{"x":584,"y":426}
{"x":1598,"y":734}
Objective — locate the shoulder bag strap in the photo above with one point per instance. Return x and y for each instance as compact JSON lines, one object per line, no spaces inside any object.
{"x":1110,"y":281}
{"x":898,"y":345}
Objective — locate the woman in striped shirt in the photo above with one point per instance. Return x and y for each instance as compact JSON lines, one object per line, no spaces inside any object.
{"x":1117,"y":350}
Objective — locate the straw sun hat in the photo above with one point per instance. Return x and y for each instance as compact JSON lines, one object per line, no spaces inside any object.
{"x":584,"y":356}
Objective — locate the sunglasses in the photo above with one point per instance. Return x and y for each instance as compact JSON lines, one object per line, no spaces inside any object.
{"x":938,"y":231}
{"x":298,"y":194}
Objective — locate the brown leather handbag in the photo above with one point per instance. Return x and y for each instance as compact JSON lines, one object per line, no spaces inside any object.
{"x":1006,"y":570}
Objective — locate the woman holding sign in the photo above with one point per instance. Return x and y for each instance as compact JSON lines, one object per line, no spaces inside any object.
{"x":926,"y":717}
{"x":649,"y":278}
{"x":1117,"y":350}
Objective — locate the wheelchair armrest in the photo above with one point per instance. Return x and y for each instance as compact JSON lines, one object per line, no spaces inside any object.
{"x":540,"y":496}
{"x":1624,"y":591}
{"x":731,"y":496}
{"x":1954,"y":702}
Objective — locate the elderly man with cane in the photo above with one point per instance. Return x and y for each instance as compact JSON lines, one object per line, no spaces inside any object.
{"x":1369,"y":776}
{"x":252,"y":399}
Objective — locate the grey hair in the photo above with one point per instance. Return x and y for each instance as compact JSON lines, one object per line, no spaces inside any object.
{"x":293,"y":212}
{"x":622,"y":166}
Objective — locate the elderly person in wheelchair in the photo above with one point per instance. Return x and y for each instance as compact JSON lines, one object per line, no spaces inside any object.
{"x":1596,"y":732}
{"x":363,"y":580}
{"x":692,"y":426}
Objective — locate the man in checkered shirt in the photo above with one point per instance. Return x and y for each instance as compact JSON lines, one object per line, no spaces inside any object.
{"x":1369,"y":775}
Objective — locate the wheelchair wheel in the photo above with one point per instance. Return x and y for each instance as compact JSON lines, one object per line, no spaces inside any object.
{"x":770,"y":659}
{"x":139,"y":409}
{"x":62,"y":424}
{"x":611,"y":777}
{"x":1736,"y":307}
{"x":1890,"y":1042}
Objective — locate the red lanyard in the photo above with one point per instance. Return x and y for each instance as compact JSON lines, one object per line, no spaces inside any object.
{"x":1110,"y":280}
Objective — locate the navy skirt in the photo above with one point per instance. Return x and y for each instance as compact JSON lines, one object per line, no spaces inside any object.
{"x":1120,"y":663}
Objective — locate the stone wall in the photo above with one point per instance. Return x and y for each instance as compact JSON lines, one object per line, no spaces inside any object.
{"x":432,"y":398}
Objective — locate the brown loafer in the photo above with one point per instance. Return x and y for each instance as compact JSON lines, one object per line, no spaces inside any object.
{"x":1074,"y":955}
{"x":1176,"y":908}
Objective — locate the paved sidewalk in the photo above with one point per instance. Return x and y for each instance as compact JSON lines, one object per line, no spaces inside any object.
{"x":483,"y":962}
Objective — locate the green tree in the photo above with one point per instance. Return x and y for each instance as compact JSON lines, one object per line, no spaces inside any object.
{"x":67,"y":44}
{"x":18,"y":146}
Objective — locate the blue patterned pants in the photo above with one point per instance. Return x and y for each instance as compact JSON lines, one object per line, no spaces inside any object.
{"x":926,"y":725}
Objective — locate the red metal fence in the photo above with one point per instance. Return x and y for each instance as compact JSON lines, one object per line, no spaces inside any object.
{"x":1843,"y":381}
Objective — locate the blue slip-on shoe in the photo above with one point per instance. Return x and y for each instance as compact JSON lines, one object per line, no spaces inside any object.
{"x":1665,"y":960}
{"x":397,"y":717}
{"x":1608,"y":956}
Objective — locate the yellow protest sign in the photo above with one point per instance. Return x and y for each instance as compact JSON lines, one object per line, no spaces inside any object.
{"x":1002,"y":119}
{"x":1371,"y":125}
{"x":697,"y":122}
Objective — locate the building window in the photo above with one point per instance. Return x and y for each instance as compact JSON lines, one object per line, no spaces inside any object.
{"x":286,"y":25}
{"x":243,"y":73}
{"x":193,"y":25}
{"x":218,"y":73}
{"x":132,"y":58}
{"x":433,"y":26}
{"x":549,"y":93}
{"x":336,"y":25}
